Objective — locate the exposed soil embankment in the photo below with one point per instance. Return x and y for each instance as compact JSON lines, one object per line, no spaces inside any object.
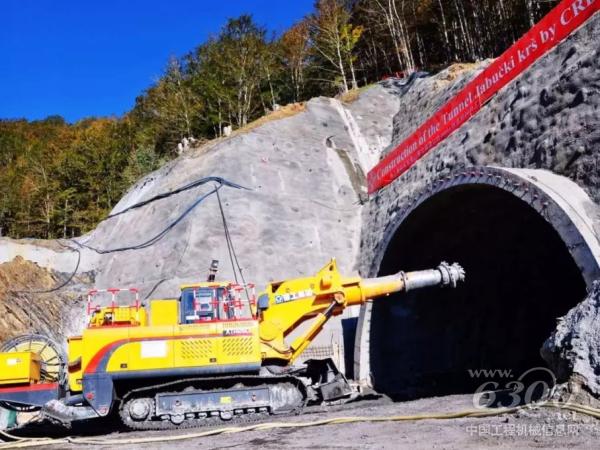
{"x":24,"y":312}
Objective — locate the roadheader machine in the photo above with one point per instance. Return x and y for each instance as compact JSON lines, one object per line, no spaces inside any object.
{"x":216,"y":352}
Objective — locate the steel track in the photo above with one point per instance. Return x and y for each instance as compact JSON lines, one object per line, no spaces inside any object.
{"x":236,"y":420}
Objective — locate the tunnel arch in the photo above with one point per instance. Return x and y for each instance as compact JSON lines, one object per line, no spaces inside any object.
{"x":527,"y":241}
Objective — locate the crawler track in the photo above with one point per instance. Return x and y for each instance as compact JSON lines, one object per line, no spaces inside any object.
{"x":209,"y":418}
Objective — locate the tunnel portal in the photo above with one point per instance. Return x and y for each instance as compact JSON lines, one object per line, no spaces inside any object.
{"x":527,"y":264}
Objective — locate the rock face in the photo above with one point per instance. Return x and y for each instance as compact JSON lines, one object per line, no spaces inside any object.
{"x":549,"y":118}
{"x":573,"y":350}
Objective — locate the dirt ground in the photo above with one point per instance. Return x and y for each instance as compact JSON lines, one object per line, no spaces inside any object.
{"x":544,"y":428}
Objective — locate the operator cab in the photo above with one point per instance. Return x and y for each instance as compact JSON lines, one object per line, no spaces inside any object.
{"x":211,"y":302}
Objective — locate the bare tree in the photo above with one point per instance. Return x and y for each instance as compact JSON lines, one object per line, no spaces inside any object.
{"x":392,"y":13}
{"x":445,"y":30}
{"x":331,"y":35}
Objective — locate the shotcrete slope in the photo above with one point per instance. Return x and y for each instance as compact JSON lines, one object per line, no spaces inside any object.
{"x":305,"y":174}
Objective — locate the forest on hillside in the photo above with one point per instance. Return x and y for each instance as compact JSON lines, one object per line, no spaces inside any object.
{"x":60,"y":179}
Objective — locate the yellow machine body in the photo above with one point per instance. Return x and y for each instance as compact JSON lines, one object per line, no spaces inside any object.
{"x":19,"y":368}
{"x":129,"y":339}
{"x":164,"y":312}
{"x":162,"y":344}
{"x":157,"y":347}
{"x":75,"y":369}
{"x":211,"y":333}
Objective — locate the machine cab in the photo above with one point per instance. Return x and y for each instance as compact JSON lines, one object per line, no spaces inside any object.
{"x":210,"y":302}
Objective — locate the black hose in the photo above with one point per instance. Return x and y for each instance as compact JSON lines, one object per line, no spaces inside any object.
{"x":193,"y":184}
{"x":156,"y":238}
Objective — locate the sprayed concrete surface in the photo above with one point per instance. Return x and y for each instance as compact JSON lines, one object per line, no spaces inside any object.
{"x":305,"y":172}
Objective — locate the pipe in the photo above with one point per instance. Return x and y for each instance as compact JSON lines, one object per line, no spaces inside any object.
{"x":444,"y":275}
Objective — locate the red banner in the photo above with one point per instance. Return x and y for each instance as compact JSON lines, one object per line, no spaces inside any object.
{"x":553,"y":28}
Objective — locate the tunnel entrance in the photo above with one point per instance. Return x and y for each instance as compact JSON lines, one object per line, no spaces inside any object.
{"x":521,"y":276}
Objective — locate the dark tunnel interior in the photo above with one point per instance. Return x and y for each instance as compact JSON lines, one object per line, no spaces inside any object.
{"x":520,"y":279}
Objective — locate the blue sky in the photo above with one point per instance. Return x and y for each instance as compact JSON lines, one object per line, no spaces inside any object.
{"x":81,"y":58}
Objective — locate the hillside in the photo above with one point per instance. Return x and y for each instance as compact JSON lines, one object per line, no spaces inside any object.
{"x":306,"y":179}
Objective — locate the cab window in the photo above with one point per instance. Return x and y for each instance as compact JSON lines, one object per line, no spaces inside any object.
{"x":205,"y":304}
{"x":200,"y":304}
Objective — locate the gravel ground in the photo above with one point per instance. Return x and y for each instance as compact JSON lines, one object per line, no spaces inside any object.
{"x":544,"y":428}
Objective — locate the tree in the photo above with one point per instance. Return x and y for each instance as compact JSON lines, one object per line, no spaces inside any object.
{"x":207,"y":83}
{"x":228,"y":71}
{"x":242,"y":45}
{"x":294,"y":49}
{"x":178,"y":96}
{"x":394,"y":17}
{"x":167,"y":111}
{"x":333,"y":38}
{"x":350,"y":35}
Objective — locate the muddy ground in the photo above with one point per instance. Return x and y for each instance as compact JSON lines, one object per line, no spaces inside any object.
{"x":531,"y":428}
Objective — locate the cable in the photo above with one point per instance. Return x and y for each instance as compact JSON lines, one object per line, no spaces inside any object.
{"x":231,"y":249}
{"x":237,"y":263}
{"x":157,"y":237}
{"x":474,"y":413}
{"x":221,"y":182}
{"x":227,"y":238}
{"x":161,"y":281}
{"x":193,"y":184}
